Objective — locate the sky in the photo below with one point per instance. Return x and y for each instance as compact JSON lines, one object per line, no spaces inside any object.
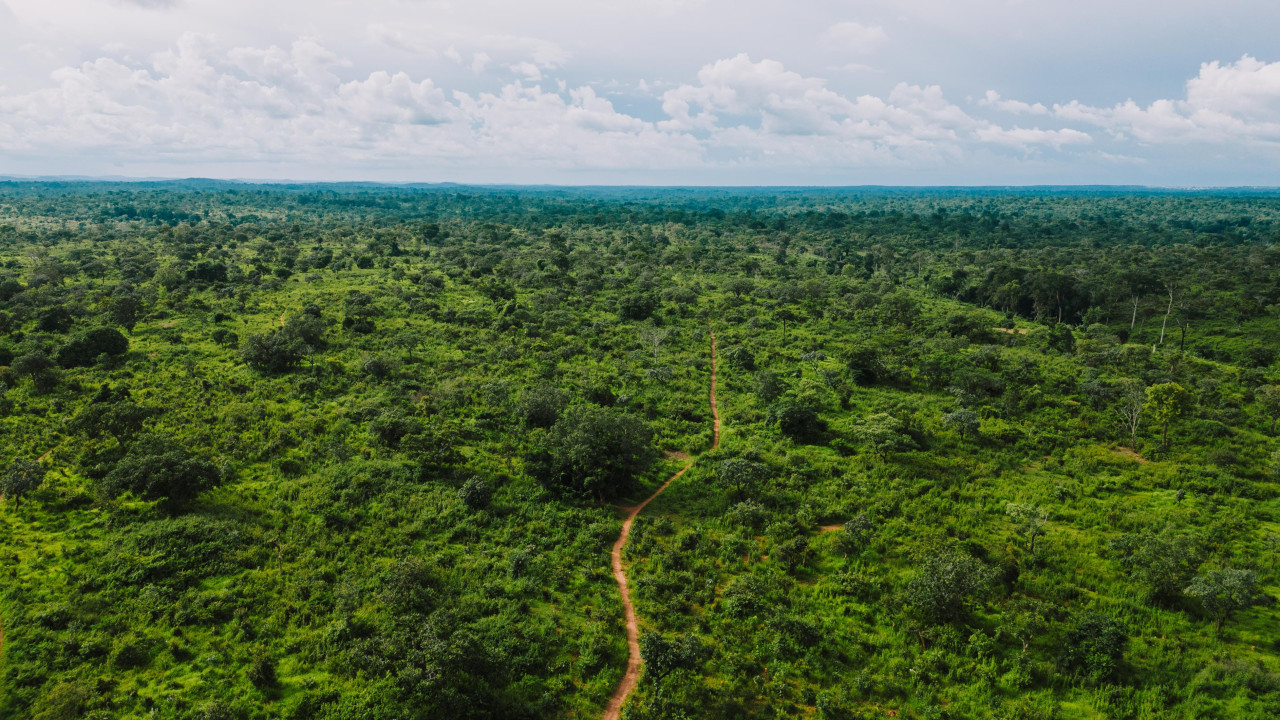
{"x":645,"y":92}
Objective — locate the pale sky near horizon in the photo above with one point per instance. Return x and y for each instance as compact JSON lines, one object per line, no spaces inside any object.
{"x":918,"y":92}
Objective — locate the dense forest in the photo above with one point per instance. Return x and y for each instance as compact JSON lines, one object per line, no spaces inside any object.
{"x":352,"y":451}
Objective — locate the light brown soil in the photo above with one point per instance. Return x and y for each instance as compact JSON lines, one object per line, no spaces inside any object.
{"x":1131,"y":453}
{"x":1011,"y":331}
{"x":829,"y":528}
{"x":628,"y":683}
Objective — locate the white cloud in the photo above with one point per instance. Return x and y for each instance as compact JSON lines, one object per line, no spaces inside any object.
{"x":1028,"y":138}
{"x":1236,"y":103}
{"x":856,"y":37}
{"x":992,"y":100}
{"x":199,"y":101}
{"x":202,"y":101}
{"x":762,"y":112}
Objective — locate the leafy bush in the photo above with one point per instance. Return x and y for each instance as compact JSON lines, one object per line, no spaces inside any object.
{"x":157,"y":468}
{"x":85,"y":347}
{"x":594,"y":450}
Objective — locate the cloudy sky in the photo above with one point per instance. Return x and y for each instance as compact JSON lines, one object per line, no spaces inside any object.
{"x":918,"y":92}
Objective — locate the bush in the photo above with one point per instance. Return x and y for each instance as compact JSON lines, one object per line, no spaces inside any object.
{"x":21,"y":478}
{"x":943,"y":582}
{"x":272,"y":352}
{"x":1093,"y":646}
{"x":796,"y":419}
{"x":156,"y":468}
{"x":540,"y":406}
{"x":262,"y":671}
{"x":637,"y":306}
{"x":85,"y":347}
{"x":475,"y":493}
{"x":594,"y":450}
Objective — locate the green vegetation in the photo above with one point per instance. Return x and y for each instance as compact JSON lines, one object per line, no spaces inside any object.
{"x":356,"y":452}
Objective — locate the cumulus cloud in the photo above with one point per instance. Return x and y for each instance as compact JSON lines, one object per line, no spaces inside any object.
{"x":1233,"y":103}
{"x":767,"y":112}
{"x":992,"y":100}
{"x":856,"y":37}
{"x":198,"y":101}
{"x":1027,"y":138}
{"x":202,"y":101}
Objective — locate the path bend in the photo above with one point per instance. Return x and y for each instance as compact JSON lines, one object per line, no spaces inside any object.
{"x":629,"y":679}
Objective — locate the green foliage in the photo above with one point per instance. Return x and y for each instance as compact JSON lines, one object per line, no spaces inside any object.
{"x":595,"y":451}
{"x":964,"y":420}
{"x":540,"y":406}
{"x":354,"y":518}
{"x":944,"y":582}
{"x":20,"y":478}
{"x":797,"y":418}
{"x":85,"y":347}
{"x":1028,"y":522}
{"x":1223,"y":592}
{"x":1093,"y":647}
{"x":637,"y":306}
{"x":1162,"y":563}
{"x":664,"y":656}
{"x":741,"y":475}
{"x":275,"y":351}
{"x":1167,"y":402}
{"x":883,"y":434}
{"x":156,"y":468}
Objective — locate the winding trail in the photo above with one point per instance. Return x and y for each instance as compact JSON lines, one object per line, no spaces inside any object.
{"x":629,"y":679}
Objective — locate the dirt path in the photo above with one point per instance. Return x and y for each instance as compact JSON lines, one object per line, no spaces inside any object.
{"x":614,"y":709}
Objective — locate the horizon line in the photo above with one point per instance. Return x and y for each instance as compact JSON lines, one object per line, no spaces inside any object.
{"x":89,"y":179}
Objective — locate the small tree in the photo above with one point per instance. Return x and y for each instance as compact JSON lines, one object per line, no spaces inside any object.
{"x":852,"y":537}
{"x":1094,"y":645}
{"x":157,"y":468}
{"x":1133,"y":397}
{"x":740,"y":358}
{"x":1061,"y":338}
{"x":1166,"y":402}
{"x":964,"y":420}
{"x":943,"y":582}
{"x":1222,"y":592}
{"x":637,"y":306}
{"x":741,"y":475}
{"x":85,"y":347}
{"x":785,"y":315}
{"x":1028,"y":522}
{"x":475,"y":493}
{"x":540,"y":406}
{"x":795,"y":418}
{"x":1163,"y":563}
{"x":594,"y":450}
{"x":272,"y":352}
{"x":1269,"y":400}
{"x":664,"y":656}
{"x":22,"y":477}
{"x":883,"y":433}
{"x":652,"y":337}
{"x":740,"y":286}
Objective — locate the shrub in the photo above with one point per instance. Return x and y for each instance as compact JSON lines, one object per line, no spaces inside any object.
{"x":594,"y":450}
{"x":85,"y":347}
{"x":1093,"y":646}
{"x":157,"y":468}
